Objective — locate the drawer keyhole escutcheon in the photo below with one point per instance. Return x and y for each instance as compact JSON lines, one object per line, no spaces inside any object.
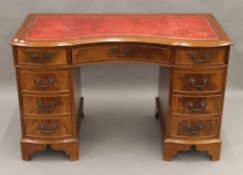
{"x":48,"y":128}
{"x":41,"y":84}
{"x":41,"y":59}
{"x":123,"y":53}
{"x":194,"y":83}
{"x":198,"y":59}
{"x":196,"y":108}
{"x":46,"y":108}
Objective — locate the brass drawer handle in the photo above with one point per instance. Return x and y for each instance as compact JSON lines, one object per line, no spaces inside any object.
{"x":50,"y":128}
{"x":124,"y":52}
{"x":38,"y":59}
{"x":196,"y":108}
{"x":195,"y":84}
{"x":198,"y":59}
{"x":41,"y":84}
{"x":193,"y":128}
{"x":48,"y":108}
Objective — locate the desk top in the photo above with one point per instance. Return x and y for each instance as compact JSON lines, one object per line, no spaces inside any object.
{"x":73,"y":29}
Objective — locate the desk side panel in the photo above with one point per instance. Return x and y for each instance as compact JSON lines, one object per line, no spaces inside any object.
{"x":77,"y":100}
{"x":164,"y":99}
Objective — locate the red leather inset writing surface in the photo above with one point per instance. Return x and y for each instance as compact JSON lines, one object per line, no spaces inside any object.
{"x":56,"y":27}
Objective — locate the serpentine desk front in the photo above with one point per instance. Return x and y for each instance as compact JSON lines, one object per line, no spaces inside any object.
{"x":192,"y":51}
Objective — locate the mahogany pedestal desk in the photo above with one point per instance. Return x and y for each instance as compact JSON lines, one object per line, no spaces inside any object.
{"x":192,"y":51}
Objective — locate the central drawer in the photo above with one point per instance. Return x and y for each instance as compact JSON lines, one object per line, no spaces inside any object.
{"x":46,"y":105}
{"x":127,"y":52}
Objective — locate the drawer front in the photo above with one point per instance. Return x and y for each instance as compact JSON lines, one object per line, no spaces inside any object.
{"x":48,"y":128}
{"x":34,"y":81}
{"x":198,"y":82}
{"x":35,"y":105}
{"x":41,"y":56}
{"x":121,"y":52}
{"x":194,"y":128}
{"x":200,"y":56}
{"x":198,"y":105}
